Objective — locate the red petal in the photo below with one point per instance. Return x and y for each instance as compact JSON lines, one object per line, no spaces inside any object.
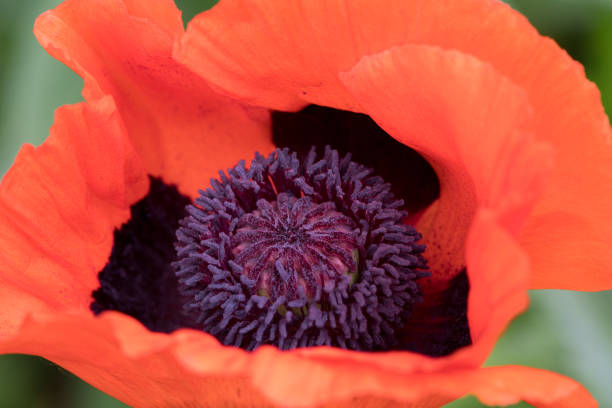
{"x":540,"y":388}
{"x":512,"y":384}
{"x":113,"y":351}
{"x":287,"y":54}
{"x":59,"y":204}
{"x":493,"y":385}
{"x":119,"y":356}
{"x":183,"y":130}
{"x":471,"y":124}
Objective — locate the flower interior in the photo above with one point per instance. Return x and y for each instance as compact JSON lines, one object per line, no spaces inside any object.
{"x":298,"y":248}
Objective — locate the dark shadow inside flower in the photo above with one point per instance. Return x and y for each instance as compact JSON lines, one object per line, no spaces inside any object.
{"x":138,"y":279}
{"x":144,"y":279}
{"x":412,"y":178}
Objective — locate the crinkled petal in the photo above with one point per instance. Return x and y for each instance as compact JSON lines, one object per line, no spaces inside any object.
{"x":284,"y":55}
{"x":510,"y":384}
{"x":190,"y":369}
{"x":184,"y":131}
{"x":471,"y":123}
{"x":119,"y":356}
{"x":59,"y":204}
{"x":493,"y":385}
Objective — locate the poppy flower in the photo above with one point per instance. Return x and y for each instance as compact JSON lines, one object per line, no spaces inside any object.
{"x":514,"y":133}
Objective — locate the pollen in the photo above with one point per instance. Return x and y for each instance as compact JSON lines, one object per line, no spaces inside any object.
{"x":299,"y":251}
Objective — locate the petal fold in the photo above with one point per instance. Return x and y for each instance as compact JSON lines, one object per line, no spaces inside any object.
{"x":184,"y":131}
{"x":140,"y":371}
{"x":288,"y":54}
{"x":59,"y":205}
{"x":471,"y":123}
{"x":188,"y":368}
{"x":508,"y":385}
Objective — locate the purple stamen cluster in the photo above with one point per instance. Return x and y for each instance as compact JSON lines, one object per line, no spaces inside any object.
{"x":293,"y":246}
{"x":299,"y":253}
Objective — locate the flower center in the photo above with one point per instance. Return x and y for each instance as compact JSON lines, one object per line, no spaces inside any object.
{"x":297,"y":252}
{"x":293,"y":246}
{"x":199,"y":275}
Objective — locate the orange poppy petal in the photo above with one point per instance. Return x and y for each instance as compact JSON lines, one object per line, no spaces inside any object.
{"x":511,"y":384}
{"x":471,"y":124}
{"x":493,"y":385}
{"x":59,"y":204}
{"x":184,"y":131}
{"x":112,"y":351}
{"x":108,"y":353}
{"x":287,"y":54}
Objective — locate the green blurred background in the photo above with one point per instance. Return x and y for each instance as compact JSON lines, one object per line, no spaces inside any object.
{"x":567,"y":332}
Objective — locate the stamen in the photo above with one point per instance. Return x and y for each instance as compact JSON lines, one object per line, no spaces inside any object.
{"x":299,"y":253}
{"x":294,"y":245}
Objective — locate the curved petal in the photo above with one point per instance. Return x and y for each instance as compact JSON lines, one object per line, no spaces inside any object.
{"x":493,"y":385}
{"x":59,"y":205}
{"x":285,"y":55}
{"x":512,"y":384}
{"x":121,"y":357}
{"x":472,"y":125}
{"x":123,"y":48}
{"x":186,"y":368}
